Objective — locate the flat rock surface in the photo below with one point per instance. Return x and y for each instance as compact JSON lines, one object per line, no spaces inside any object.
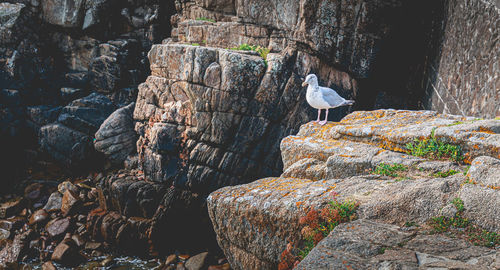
{"x":364,"y":244}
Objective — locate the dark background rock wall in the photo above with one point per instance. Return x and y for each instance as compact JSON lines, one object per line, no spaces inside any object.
{"x":464,"y":78}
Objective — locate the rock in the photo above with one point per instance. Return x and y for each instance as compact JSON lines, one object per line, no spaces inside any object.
{"x":78,"y":240}
{"x":67,"y":185}
{"x":40,"y":216}
{"x":58,"y":227}
{"x":92,"y":245}
{"x":485,"y":170}
{"x":54,"y":202}
{"x":107,"y":262}
{"x":480,"y":205}
{"x":11,"y":208}
{"x":48,"y":266}
{"x":69,"y":141}
{"x":171,"y":259}
{"x":197,"y":262}
{"x":70,"y":203}
{"x":13,"y":223}
{"x":280,"y":219}
{"x":4,"y":234}
{"x":105,"y":74}
{"x":66,"y":13}
{"x":66,"y":253}
{"x":9,"y":18}
{"x":116,"y":137}
{"x":15,"y":250}
{"x":364,"y":244}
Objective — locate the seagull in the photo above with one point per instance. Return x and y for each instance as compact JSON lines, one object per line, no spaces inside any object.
{"x":322,"y":97}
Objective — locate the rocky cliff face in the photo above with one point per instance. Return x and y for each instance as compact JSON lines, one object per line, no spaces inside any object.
{"x":463,"y":79}
{"x":254,"y":222}
{"x":208,"y":115}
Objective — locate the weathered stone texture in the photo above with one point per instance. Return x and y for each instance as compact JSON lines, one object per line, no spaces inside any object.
{"x":464,"y":79}
{"x":255,"y":221}
{"x":364,"y":244}
{"x":226,"y":109}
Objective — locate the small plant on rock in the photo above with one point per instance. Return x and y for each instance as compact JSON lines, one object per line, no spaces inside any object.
{"x":445,"y":174}
{"x":262,"y":51}
{"x":433,"y":148}
{"x":390,"y":170}
{"x":205,"y":19}
{"x":461,"y":226}
{"x":317,"y":224}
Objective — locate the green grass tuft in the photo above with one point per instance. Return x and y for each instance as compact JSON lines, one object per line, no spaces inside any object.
{"x":205,"y":19}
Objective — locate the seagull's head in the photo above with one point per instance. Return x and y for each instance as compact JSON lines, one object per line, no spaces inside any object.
{"x":311,"y":79}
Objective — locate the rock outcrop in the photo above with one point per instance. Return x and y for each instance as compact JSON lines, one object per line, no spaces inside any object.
{"x":254,"y":222}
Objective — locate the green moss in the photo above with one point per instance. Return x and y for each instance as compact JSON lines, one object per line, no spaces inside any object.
{"x":433,"y":148}
{"x":195,"y":44}
{"x":205,"y":19}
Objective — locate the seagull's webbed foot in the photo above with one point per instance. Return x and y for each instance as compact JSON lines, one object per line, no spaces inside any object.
{"x":322,"y":122}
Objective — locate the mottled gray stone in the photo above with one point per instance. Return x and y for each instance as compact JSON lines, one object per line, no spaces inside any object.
{"x":116,"y":137}
{"x":486,"y":171}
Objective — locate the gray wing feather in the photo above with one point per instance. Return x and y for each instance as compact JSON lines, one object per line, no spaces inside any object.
{"x":330,"y":96}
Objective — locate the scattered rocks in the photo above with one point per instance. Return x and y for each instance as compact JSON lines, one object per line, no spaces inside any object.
{"x":15,"y":250}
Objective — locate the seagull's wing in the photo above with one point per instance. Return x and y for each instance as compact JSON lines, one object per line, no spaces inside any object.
{"x":331,"y":97}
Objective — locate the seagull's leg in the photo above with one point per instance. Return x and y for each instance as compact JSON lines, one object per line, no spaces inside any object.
{"x":319,"y":113}
{"x":326,"y":118}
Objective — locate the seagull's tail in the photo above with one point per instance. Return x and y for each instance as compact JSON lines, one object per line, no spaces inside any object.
{"x":348,"y":103}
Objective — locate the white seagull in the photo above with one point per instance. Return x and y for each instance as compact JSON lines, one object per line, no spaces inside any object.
{"x":322,"y":97}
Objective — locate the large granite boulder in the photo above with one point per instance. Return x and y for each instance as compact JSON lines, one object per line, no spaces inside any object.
{"x":116,"y":137}
{"x":70,"y":139}
{"x":254,"y":222}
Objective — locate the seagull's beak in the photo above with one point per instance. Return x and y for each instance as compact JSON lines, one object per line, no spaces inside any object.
{"x":304,"y":84}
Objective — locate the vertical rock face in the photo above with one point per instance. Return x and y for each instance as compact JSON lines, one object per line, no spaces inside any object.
{"x":464,"y":79}
{"x":213,"y":117}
